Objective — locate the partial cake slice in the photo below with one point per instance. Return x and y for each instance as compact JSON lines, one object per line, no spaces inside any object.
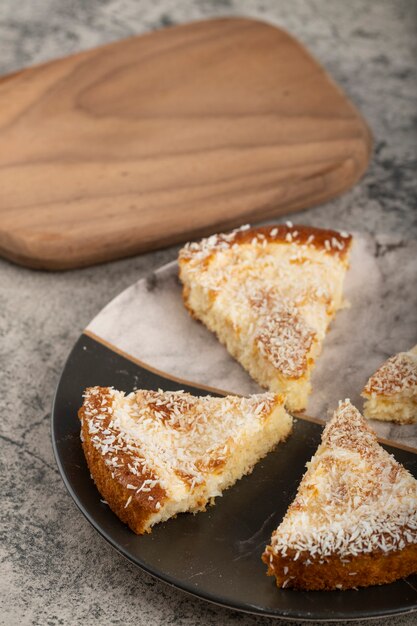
{"x":353,"y":522}
{"x":153,"y":454}
{"x":391,"y":393}
{"x":269,"y":294}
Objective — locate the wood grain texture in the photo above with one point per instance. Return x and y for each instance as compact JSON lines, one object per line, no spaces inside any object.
{"x":161,"y":138}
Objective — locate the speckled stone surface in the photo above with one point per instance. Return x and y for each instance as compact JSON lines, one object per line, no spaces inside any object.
{"x":54,"y":568}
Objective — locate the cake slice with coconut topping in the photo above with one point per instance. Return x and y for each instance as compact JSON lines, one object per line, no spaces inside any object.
{"x":353,"y":522}
{"x":391,"y":393}
{"x":153,"y":454}
{"x":269,"y":294}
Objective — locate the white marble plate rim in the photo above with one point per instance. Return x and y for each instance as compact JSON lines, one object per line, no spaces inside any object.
{"x":139,"y":338}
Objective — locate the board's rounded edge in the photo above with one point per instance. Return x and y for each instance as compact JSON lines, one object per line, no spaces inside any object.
{"x":46,"y":254}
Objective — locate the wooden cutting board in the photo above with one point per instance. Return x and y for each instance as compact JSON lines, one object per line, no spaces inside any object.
{"x":168,"y":136}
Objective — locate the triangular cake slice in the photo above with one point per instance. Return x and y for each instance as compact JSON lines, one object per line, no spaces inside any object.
{"x":269,"y":294}
{"x":153,"y":454}
{"x":353,"y":522}
{"x":391,"y":393}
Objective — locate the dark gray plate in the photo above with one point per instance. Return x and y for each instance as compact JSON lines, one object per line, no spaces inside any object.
{"x":214,"y":555}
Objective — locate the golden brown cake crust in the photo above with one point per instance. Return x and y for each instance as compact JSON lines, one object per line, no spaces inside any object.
{"x":331,"y":572}
{"x":337,"y":244}
{"x":132,"y":507}
{"x":333,"y":242}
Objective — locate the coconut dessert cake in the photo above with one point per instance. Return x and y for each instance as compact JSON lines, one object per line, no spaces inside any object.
{"x":269,"y":294}
{"x":353,"y":522}
{"x":153,"y":454}
{"x":391,"y":393}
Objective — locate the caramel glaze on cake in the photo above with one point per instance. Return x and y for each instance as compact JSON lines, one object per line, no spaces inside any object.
{"x":269,"y":294}
{"x":353,"y":522}
{"x":334,"y":242}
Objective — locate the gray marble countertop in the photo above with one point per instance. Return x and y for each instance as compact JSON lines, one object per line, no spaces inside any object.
{"x":55,"y":567}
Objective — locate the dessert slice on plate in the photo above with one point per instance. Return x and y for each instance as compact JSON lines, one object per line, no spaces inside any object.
{"x":391,"y":393}
{"x":269,"y":294}
{"x":153,"y":454}
{"x":353,"y":522}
